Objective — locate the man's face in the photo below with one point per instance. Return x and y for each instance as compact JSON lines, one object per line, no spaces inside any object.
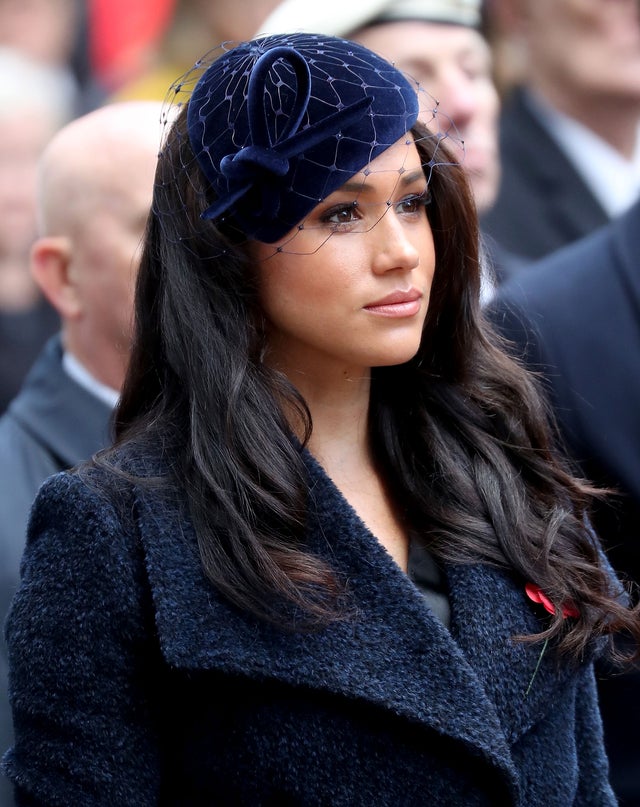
{"x":42,"y":29}
{"x":453,"y":64}
{"x":588,"y":48}
{"x":22,"y":138}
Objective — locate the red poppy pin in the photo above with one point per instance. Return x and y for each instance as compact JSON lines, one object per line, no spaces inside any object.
{"x":536,"y":594}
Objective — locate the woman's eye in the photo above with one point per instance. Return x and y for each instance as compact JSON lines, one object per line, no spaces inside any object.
{"x":344,"y":214}
{"x":413,"y":204}
{"x":409,"y":205}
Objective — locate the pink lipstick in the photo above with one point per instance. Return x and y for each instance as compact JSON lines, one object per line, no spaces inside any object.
{"x":397,"y":304}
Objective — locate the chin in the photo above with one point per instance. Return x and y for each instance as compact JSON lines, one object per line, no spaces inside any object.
{"x":396,"y":358}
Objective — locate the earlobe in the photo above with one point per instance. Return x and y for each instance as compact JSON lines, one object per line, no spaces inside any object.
{"x":50,"y":268}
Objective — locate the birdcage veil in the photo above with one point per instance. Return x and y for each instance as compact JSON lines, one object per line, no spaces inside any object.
{"x":270,"y":128}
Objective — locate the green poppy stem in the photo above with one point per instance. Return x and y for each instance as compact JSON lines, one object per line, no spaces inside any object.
{"x":544,"y":647}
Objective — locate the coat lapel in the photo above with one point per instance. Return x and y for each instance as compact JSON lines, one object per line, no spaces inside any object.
{"x":468,"y":684}
{"x":571,"y":205}
{"x":70,"y":422}
{"x":490,"y":608}
{"x":626,"y":244}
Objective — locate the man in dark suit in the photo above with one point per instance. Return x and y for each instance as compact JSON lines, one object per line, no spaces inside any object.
{"x":570,"y":129}
{"x":95,"y":187}
{"x":576,"y":317}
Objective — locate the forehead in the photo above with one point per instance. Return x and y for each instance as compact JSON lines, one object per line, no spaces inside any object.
{"x":407,"y":42}
{"x":397,"y":171}
{"x":398,"y":167}
{"x":579,"y":13}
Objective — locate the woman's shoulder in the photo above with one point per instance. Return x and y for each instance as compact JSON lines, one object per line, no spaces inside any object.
{"x":98,"y":496}
{"x":78,"y":516}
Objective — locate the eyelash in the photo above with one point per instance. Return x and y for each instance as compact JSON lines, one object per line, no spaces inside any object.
{"x":420,"y":200}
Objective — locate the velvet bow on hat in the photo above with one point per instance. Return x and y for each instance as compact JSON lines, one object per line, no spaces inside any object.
{"x":279,"y":123}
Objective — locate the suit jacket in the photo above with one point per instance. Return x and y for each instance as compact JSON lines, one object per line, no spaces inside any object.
{"x":576,"y":317}
{"x":52,"y":424}
{"x":542,"y":203}
{"x":22,"y":337}
{"x":134,"y":682}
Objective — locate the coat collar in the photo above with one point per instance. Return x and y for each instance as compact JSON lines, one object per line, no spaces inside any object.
{"x":59,"y":413}
{"x":626,"y":244}
{"x":574,"y":207}
{"x":468,"y":683}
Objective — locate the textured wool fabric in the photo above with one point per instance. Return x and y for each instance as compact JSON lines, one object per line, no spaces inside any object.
{"x":134,"y":683}
{"x":277,"y":124}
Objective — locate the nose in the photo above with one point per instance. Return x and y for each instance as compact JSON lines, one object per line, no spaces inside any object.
{"x":392,"y":246}
{"x":459,"y":100}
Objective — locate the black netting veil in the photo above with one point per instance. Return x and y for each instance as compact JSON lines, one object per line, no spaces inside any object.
{"x":259,"y":134}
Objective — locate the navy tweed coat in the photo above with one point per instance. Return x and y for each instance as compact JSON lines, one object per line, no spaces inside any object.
{"x":134,"y":683}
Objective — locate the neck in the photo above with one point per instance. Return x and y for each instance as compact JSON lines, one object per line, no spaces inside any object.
{"x":340,"y":439}
{"x":340,"y":442}
{"x":339,"y":410}
{"x":106,"y":365}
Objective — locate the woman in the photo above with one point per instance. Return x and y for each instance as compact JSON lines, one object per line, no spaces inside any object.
{"x":333,"y":557}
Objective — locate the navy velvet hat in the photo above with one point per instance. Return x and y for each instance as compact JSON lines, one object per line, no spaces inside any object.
{"x":279,"y":123}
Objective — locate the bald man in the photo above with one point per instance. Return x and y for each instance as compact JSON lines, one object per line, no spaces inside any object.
{"x":95,"y":188}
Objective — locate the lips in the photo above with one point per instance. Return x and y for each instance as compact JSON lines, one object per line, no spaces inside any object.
{"x":398,"y":303}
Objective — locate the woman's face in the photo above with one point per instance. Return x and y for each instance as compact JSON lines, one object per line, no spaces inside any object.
{"x":349,"y":288}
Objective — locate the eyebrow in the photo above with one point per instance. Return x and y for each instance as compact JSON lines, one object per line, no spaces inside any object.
{"x":360,"y":186}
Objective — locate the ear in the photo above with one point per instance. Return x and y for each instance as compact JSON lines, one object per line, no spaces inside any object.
{"x":50,"y":268}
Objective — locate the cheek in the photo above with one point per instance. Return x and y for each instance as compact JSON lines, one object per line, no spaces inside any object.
{"x":110,"y":286}
{"x":120,"y":260}
{"x":306,"y":284}
{"x":490,"y":101}
{"x":290,"y":299}
{"x":314,"y":300}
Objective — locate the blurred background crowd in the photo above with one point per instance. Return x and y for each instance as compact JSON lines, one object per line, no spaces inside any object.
{"x":545,"y":95}
{"x":60,"y":59}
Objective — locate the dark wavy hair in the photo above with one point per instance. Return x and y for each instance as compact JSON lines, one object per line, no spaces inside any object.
{"x":460,"y":433}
